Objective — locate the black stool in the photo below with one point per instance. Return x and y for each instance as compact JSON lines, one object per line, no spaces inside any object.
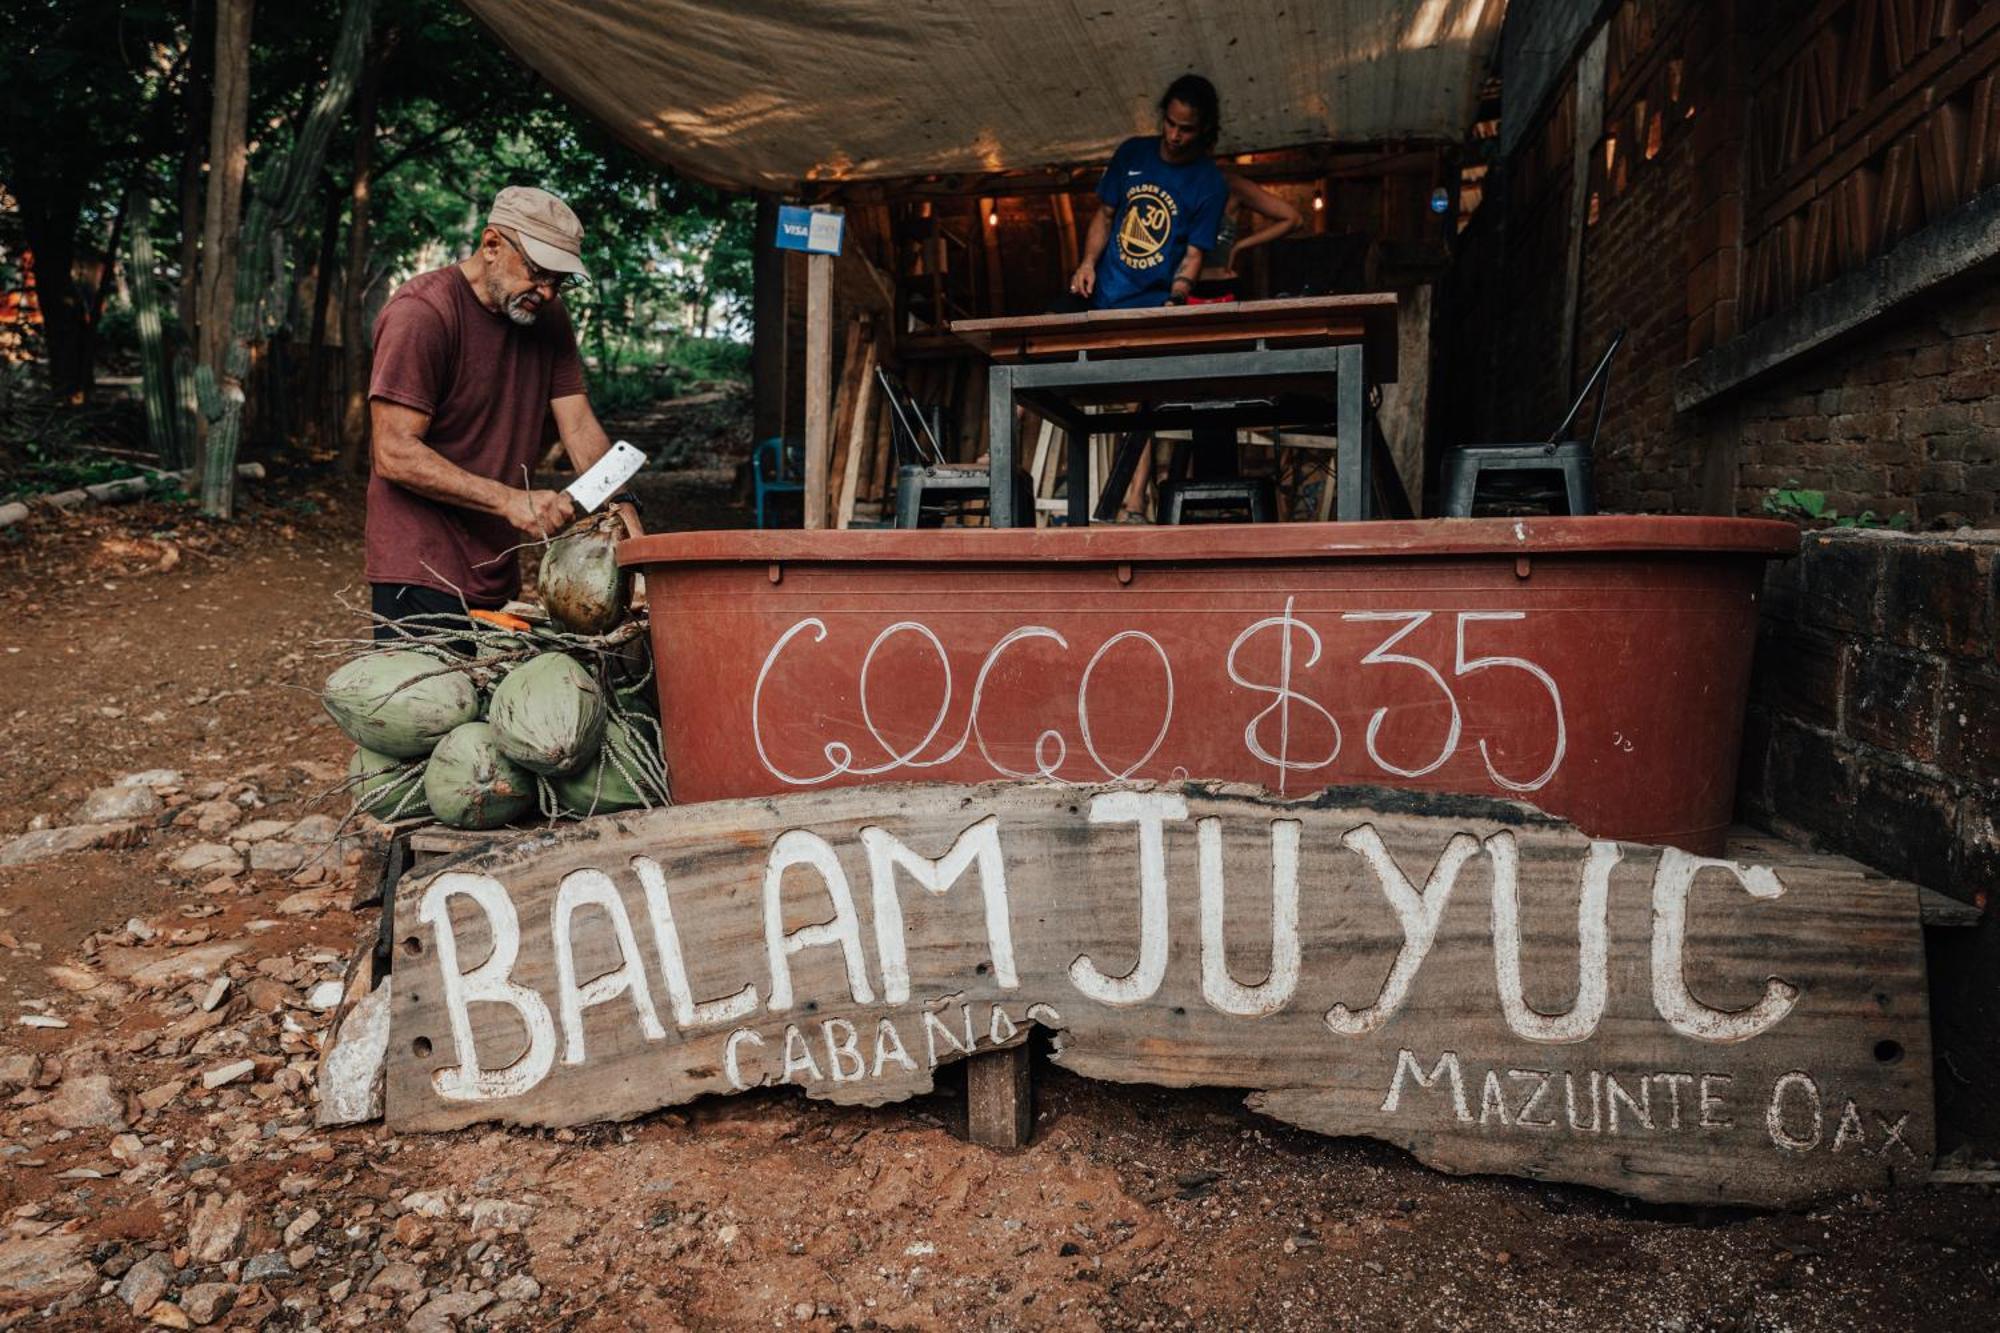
{"x":1256,"y":496}
{"x":1570,"y":458}
{"x":927,"y":492}
{"x":1462,"y":469}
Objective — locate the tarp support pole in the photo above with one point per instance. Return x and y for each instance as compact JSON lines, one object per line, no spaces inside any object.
{"x":819,"y":384}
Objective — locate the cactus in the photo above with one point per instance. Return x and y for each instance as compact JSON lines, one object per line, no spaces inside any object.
{"x":274,"y":202}
{"x":153,"y":369}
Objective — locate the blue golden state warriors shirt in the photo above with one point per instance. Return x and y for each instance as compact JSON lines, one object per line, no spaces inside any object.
{"x":1160,"y":209}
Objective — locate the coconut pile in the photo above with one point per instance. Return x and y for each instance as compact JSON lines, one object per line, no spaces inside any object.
{"x":510,"y":720}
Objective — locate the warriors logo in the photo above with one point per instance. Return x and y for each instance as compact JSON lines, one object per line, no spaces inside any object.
{"x":1143,"y":230}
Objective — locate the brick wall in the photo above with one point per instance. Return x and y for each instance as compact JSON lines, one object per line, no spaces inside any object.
{"x":1874,"y":725}
{"x":1901,"y":417}
{"x":1906,"y":420}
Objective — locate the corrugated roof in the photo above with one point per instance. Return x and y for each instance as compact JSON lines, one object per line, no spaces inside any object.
{"x":770,"y":93}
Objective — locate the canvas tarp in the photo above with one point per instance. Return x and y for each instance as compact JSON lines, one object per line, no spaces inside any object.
{"x":772,"y":93}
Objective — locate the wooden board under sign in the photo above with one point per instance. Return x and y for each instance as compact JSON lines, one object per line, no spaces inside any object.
{"x":1784,"y":1054}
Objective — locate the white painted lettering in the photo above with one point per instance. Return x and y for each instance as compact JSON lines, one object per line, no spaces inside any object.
{"x":593,"y":888}
{"x":1492,"y":1101}
{"x":1593,"y":961}
{"x":1527,"y":1117}
{"x":689,"y":1016}
{"x":933,"y":1029}
{"x":488,"y":983}
{"x":1641,"y":1109}
{"x":1596,"y":1124}
{"x":1807,"y":1092}
{"x":730,"y":1068}
{"x":889,"y":1046}
{"x":978,"y":845}
{"x":1418,"y":914}
{"x":1672,"y":1083}
{"x":1446,"y":1067}
{"x":1672,"y":883}
{"x":798,"y":1057}
{"x":1709,"y":1098}
{"x":1150,"y":811}
{"x":843,"y":1048}
{"x":1222,"y":991}
{"x":798,"y":847}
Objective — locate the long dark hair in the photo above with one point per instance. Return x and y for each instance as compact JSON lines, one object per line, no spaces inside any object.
{"x":1194,"y":91}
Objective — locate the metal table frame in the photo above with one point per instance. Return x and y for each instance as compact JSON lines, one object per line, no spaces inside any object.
{"x":1042,"y":385}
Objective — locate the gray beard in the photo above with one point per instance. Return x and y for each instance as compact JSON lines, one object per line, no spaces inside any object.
{"x":519,"y":311}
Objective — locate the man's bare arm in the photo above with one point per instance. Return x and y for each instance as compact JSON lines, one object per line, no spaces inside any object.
{"x":1084,"y":281}
{"x":584,"y":440}
{"x":1184,"y":277}
{"x":402,"y":457}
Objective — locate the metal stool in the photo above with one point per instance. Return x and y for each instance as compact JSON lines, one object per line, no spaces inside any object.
{"x":1571,"y":458}
{"x":1256,"y":495}
{"x":1463,"y":467}
{"x":926,"y":492}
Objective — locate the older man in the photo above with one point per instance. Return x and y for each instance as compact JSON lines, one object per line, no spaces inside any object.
{"x":470,"y":361}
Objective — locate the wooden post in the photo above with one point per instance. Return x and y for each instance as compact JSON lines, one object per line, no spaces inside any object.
{"x":819,"y":384}
{"x":999,"y":1099}
{"x":768,"y":325}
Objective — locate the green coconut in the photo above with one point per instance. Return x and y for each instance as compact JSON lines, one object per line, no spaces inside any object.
{"x":605,"y":784}
{"x":399,"y":703}
{"x":548,"y":715}
{"x":470,"y":784}
{"x":386,"y":787}
{"x":581,"y":584}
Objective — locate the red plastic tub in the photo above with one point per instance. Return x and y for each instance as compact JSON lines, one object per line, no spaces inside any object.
{"x":1596,"y":667}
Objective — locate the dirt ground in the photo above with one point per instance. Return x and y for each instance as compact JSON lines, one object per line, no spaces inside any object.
{"x":137,"y":638}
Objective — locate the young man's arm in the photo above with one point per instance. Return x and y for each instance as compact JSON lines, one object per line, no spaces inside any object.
{"x":402,"y":457}
{"x":1084,"y":281}
{"x":1185,"y":275}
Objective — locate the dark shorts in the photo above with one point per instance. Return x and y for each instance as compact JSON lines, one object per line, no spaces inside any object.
{"x":403,"y":601}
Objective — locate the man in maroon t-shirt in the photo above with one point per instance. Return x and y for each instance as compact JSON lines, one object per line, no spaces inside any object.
{"x":470,"y":361}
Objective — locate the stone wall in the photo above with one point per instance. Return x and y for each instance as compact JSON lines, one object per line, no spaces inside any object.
{"x":1874,"y":725}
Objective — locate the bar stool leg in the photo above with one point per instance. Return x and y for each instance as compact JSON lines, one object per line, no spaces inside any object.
{"x":1461,"y":483}
{"x":1576,"y":487}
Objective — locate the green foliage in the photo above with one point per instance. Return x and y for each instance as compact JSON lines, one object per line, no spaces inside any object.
{"x":94,"y":98}
{"x":709,"y":358}
{"x":1809,"y":506}
{"x":1792,"y":502}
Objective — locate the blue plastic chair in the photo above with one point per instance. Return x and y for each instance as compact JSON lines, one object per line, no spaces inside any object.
{"x":777,"y":468}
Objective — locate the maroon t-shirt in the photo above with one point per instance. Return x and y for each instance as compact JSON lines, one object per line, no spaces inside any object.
{"x":486,"y":383}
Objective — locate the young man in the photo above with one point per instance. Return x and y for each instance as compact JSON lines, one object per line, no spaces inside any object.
{"x":1163,"y":198}
{"x":470,"y":361}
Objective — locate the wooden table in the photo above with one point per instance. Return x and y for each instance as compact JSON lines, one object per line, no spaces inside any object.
{"x":1179,"y":365}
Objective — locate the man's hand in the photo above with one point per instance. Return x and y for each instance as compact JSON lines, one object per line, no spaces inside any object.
{"x":540,"y":514}
{"x":1084,"y":281}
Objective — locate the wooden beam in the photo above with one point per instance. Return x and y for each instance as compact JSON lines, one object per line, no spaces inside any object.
{"x":819,"y":384}
{"x":999,"y":1099}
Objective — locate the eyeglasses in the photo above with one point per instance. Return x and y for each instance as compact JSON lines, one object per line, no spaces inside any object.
{"x":541,"y":277}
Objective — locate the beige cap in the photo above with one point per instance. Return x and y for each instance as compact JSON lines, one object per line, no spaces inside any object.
{"x":550,"y":233}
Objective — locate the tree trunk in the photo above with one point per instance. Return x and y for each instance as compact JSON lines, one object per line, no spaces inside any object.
{"x":354,"y":351}
{"x":228,"y":162}
{"x":314,"y":424}
{"x":196,"y":95}
{"x":49,"y":221}
{"x":108,"y":265}
{"x":275,"y":203}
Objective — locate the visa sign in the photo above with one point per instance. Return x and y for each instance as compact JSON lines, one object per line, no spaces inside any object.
{"x":812,"y":230}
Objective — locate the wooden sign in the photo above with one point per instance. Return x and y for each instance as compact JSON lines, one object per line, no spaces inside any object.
{"x":1464,"y":977}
